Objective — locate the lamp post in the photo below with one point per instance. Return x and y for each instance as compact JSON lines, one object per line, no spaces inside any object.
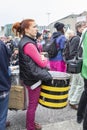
{"x":48,"y":16}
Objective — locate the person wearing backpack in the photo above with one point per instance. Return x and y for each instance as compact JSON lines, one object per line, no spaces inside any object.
{"x":77,"y":82}
{"x":57,"y":63}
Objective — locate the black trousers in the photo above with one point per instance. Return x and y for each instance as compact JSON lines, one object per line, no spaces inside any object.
{"x":82,"y":109}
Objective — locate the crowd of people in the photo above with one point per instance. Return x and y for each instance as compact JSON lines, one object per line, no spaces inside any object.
{"x":26,"y":51}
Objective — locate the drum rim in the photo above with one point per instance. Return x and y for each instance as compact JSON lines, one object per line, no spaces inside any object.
{"x":61,"y":77}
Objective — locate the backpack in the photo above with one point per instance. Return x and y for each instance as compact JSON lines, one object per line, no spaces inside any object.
{"x":66,"y":51}
{"x":52,"y":47}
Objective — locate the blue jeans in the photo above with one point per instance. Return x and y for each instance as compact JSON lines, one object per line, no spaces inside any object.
{"x":3,"y":111}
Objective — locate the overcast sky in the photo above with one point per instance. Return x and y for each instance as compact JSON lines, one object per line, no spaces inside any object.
{"x":43,"y":11}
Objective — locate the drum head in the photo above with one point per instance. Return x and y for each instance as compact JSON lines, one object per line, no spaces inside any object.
{"x":59,"y":75}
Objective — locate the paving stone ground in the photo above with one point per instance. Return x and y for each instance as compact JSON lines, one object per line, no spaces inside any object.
{"x":50,"y":119}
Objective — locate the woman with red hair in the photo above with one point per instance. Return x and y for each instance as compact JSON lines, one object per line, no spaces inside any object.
{"x":32,"y":67}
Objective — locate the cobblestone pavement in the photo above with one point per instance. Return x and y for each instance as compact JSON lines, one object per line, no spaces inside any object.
{"x":51,"y":119}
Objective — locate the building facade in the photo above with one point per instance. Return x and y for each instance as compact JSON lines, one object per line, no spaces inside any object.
{"x":70,"y":21}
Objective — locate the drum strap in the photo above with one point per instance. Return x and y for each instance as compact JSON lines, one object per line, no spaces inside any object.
{"x":37,"y":84}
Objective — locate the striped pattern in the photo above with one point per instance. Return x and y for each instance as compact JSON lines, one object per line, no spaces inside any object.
{"x":54,"y":97}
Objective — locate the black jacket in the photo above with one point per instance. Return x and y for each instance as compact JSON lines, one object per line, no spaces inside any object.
{"x":74,"y":44}
{"x":5,"y":82}
{"x":30,"y":72}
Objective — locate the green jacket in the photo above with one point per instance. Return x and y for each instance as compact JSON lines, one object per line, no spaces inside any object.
{"x":84,"y":66}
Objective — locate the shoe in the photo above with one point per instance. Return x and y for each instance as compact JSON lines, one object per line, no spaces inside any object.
{"x":7,"y":123}
{"x":37,"y":126}
{"x":75,"y":107}
{"x":79,"y":119}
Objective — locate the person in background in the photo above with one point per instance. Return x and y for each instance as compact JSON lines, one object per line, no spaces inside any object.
{"x":14,"y":60}
{"x":49,"y":34}
{"x":5,"y":85}
{"x":57,"y":63}
{"x":29,"y":58}
{"x":82,"y":108}
{"x":10,"y":44}
{"x":16,"y":41}
{"x":46,"y":37}
{"x":39,"y":37}
{"x":77,"y":83}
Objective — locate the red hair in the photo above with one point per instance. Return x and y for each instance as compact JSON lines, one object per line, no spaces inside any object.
{"x":19,"y":27}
